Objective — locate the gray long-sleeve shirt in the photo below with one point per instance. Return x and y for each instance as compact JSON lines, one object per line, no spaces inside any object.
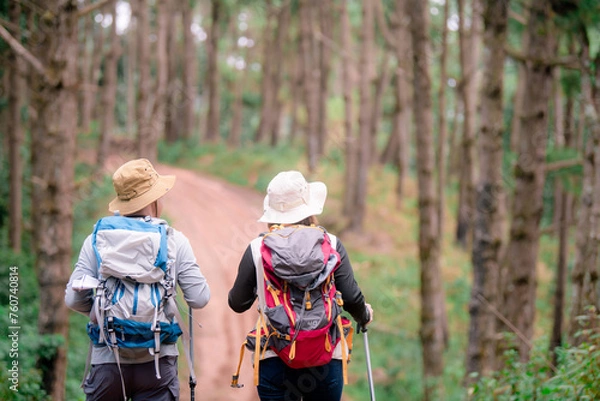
{"x":187,"y":274}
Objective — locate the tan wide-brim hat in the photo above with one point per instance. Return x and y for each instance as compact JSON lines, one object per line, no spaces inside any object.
{"x":137,"y":185}
{"x":291,"y":199}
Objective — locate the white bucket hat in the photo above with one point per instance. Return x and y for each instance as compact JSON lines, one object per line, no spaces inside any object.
{"x":291,"y":199}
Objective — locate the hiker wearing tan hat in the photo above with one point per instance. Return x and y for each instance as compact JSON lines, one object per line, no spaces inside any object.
{"x":125,"y":279}
{"x":302,"y":278}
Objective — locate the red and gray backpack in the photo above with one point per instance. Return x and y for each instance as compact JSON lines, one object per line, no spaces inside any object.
{"x":300,"y":310}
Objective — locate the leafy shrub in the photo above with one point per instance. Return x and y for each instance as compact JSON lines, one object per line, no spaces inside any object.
{"x":575,"y":378}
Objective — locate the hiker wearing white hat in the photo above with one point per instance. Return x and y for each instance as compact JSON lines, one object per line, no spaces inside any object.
{"x":297,"y":250}
{"x":125,"y":280}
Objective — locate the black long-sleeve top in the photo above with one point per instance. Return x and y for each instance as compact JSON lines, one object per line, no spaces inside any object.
{"x":243,"y":293}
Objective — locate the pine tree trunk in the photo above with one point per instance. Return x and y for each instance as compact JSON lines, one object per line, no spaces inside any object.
{"x":431,"y":332}
{"x":488,"y":227}
{"x":146,"y":144}
{"x":365,"y":115}
{"x":350,"y":147}
{"x":326,"y":25}
{"x":519,"y":293}
{"x":213,"y":118}
{"x":189,"y":71}
{"x":562,"y":223}
{"x":442,"y":126}
{"x":53,"y":168}
{"x":310,"y":80}
{"x":469,"y":57}
{"x":172,"y":97}
{"x":109,"y":93}
{"x":131,"y":57}
{"x":86,"y":72}
{"x":266,"y":83}
{"x":159,"y":106}
{"x":16,"y":91}
{"x":585,"y":270}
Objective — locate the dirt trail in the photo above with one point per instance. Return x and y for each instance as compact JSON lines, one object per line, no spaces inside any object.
{"x":219,"y":219}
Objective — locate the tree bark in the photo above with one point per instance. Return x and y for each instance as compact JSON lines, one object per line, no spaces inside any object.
{"x":131,"y":58}
{"x":519,"y":293}
{"x":189,"y":71}
{"x":469,"y":57}
{"x":159,"y":106}
{"x":213,"y":118}
{"x":585,"y":271}
{"x":350,"y":145}
{"x":146,"y":143}
{"x":109,"y":93}
{"x":442,"y":126}
{"x":488,"y":224}
{"x":431,"y":332}
{"x":174,"y":54}
{"x":266,"y":89}
{"x":16,"y":91}
{"x":53,"y":161}
{"x":326,"y":24}
{"x":310,"y":80}
{"x":365,"y":115}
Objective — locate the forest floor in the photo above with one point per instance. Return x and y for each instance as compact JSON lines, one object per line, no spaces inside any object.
{"x":219,"y":219}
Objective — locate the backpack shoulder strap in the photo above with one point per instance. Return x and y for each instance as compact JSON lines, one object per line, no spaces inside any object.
{"x":333,"y":240}
{"x":255,"y":245}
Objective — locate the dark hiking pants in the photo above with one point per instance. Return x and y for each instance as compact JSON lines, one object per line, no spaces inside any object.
{"x":279,"y":382}
{"x":104,"y":382}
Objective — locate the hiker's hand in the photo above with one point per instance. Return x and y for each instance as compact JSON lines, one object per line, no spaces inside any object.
{"x":370,"y":309}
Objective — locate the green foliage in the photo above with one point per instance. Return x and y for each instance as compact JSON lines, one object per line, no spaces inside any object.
{"x":20,"y":344}
{"x":576,"y":377}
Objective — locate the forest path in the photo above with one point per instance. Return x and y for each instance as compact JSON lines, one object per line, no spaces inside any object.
{"x":219,"y":219}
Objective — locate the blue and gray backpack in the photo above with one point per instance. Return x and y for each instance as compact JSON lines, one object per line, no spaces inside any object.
{"x":134,"y":304}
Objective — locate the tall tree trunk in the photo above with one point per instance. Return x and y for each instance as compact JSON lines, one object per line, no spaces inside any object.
{"x":131,"y":58}
{"x":296,"y":88}
{"x":146,"y":143}
{"x":266,"y":89}
{"x":174,"y":53}
{"x":488,"y":227}
{"x":189,"y":70}
{"x":87,"y":50}
{"x":16,"y":91}
{"x":519,"y":293}
{"x":565,"y":204}
{"x":366,"y":67}
{"x":350,"y":145}
{"x":442,"y":126}
{"x":431,"y":332}
{"x":109,"y":93}
{"x":53,"y":168}
{"x":310,"y":80}
{"x":159,"y":106}
{"x":517,"y":103}
{"x":326,"y":24}
{"x":213,"y":118}
{"x":96,"y":72}
{"x":272,"y":74}
{"x":382,"y":82}
{"x":235,"y":135}
{"x":585,"y":271}
{"x":469,"y":57}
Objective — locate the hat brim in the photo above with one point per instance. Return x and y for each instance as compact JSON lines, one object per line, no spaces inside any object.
{"x":163,"y":184}
{"x":314,"y":207}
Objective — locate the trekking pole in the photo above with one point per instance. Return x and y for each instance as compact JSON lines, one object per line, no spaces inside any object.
{"x":363,"y":330}
{"x":192,"y":376}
